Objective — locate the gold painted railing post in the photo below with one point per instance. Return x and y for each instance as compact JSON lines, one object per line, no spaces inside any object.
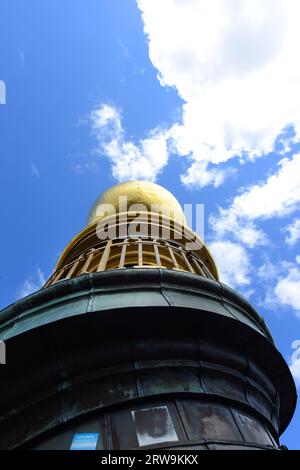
{"x":140,"y":253}
{"x":173,"y":257}
{"x":190,"y":267}
{"x":198,"y":267}
{"x":206,"y":271}
{"x":123,"y":254}
{"x":157,"y":255}
{"x":57,"y":276}
{"x":85,"y":267}
{"x":104,"y":257}
{"x":73,"y":268}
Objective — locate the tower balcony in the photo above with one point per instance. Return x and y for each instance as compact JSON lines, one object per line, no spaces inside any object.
{"x":151,"y":240}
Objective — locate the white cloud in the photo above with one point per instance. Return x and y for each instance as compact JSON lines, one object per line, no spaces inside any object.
{"x":34,"y":170}
{"x":143,"y":160}
{"x":288,"y":288}
{"x":269,"y":271}
{"x":279,"y":195}
{"x":281,"y":285}
{"x":234,"y":64}
{"x":32,"y":284}
{"x":228,"y":222}
{"x":293,"y":232}
{"x":232,"y":261}
{"x":198,"y":175}
{"x":295,"y":362}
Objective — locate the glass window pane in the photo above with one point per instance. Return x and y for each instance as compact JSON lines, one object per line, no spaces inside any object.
{"x":251,"y":428}
{"x":146,"y":424}
{"x":208,"y":420}
{"x":154,"y":425}
{"x":123,"y":433}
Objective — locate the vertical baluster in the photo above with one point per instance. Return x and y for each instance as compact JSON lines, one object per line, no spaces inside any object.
{"x":104,"y":257}
{"x":157,"y":255}
{"x":190,"y":268}
{"x":73,"y":268}
{"x":206,"y":271}
{"x":173,"y":257}
{"x":123,"y":254}
{"x":198,"y":267}
{"x":57,"y":276}
{"x":88,"y":261}
{"x":140,"y":253}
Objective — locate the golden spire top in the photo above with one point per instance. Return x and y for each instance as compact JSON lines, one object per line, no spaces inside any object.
{"x":150,"y":195}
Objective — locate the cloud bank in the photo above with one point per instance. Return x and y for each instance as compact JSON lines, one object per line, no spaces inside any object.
{"x":233,"y":262}
{"x":142,"y":160}
{"x":277,"y":196}
{"x":234,"y":64}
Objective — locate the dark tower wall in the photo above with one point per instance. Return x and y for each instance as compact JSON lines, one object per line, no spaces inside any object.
{"x":141,"y":358}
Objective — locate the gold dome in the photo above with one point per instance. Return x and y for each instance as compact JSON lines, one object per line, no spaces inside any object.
{"x":137,"y":192}
{"x":169,"y":245}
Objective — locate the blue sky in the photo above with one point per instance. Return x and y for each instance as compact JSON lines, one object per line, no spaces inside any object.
{"x":201,"y":97}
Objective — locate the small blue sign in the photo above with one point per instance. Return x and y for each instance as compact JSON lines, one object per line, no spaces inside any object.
{"x":85,"y":441}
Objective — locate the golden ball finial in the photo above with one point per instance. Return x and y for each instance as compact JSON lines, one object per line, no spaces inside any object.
{"x":150,"y":195}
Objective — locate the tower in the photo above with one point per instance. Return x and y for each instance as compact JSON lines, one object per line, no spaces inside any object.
{"x":134,"y":343}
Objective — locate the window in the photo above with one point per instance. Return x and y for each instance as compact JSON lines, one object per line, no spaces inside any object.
{"x":154,"y":425}
{"x":252,"y":429}
{"x":146,"y":425}
{"x":204,"y":420}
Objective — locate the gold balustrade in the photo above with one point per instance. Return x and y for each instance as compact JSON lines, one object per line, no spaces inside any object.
{"x":132,"y":253}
